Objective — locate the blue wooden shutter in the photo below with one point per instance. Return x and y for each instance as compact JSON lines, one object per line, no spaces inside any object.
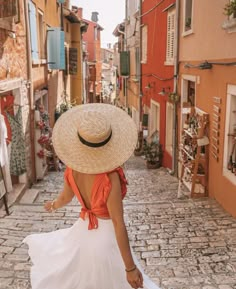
{"x":55,"y":48}
{"x":33,"y":31}
{"x":60,"y":1}
{"x":62,"y":63}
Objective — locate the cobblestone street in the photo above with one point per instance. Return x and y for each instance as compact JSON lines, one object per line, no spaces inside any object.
{"x":182,"y":243}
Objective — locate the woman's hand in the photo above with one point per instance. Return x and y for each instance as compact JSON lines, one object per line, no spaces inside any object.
{"x":48,"y":206}
{"x":135,"y":278}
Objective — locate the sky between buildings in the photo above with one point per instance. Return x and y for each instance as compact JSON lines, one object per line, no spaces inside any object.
{"x":111,"y":13}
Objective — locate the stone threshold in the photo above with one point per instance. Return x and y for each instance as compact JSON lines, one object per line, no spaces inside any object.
{"x":16,"y":194}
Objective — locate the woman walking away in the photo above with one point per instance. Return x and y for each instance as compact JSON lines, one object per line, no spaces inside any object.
{"x":93,"y":141}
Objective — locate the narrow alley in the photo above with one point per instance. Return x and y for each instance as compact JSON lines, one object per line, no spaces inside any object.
{"x":182,"y":243}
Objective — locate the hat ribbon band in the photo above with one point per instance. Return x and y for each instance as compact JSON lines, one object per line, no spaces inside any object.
{"x":92,"y":144}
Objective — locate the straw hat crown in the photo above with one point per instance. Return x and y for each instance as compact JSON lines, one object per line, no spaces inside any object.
{"x":93,"y":127}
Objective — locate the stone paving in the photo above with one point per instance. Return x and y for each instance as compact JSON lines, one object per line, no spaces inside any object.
{"x":181,"y":243}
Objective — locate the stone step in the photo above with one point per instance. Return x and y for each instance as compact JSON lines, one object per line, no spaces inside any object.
{"x":29,"y":196}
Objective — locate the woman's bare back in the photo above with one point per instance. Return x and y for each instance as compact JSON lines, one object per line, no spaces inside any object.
{"x":85,"y":183}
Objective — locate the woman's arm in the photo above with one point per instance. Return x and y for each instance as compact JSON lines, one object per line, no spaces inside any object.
{"x":63,"y":199}
{"x":115,"y":208}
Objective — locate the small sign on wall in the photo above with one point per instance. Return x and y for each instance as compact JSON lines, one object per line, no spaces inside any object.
{"x":215,"y":127}
{"x":73,"y":61}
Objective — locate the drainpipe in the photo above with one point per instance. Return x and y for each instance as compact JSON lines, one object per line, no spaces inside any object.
{"x":176,"y":72}
{"x":125,"y":48}
{"x":30,"y":91}
{"x":140,"y":78}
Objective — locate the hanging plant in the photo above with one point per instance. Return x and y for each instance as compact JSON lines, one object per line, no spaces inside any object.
{"x":230,"y":9}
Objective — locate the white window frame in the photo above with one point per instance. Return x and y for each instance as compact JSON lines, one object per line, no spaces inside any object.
{"x":136,"y":5}
{"x":169,"y":127}
{"x":155,"y":113}
{"x":189,"y":31}
{"x":170,"y":37}
{"x":231,"y":102}
{"x":144,"y":44}
{"x":42,"y":37}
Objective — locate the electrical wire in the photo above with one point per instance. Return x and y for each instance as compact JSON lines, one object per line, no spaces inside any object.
{"x":153,"y":75}
{"x":150,"y":10}
{"x":208,"y":65}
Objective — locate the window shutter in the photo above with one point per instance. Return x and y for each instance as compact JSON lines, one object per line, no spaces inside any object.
{"x":33,"y":31}
{"x":144,"y":44}
{"x":137,"y":62}
{"x":125,"y":63}
{"x":8,"y":8}
{"x":60,"y":1}
{"x":170,"y":37}
{"x":62,"y":64}
{"x":56,"y":48}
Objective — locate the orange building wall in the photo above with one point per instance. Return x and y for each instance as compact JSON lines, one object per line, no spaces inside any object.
{"x":210,"y":42}
{"x":213,"y":83}
{"x":13,"y":51}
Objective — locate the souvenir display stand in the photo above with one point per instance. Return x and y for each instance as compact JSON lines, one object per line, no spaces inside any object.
{"x":45,"y":155}
{"x":40,"y":138}
{"x":194,"y":151}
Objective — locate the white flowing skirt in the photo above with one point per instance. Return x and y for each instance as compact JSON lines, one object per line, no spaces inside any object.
{"x":78,"y":258}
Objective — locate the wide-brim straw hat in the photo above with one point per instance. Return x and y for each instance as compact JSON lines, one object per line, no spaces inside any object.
{"x":94,"y":138}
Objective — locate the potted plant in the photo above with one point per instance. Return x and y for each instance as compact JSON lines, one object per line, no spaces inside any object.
{"x":153,"y":154}
{"x":230,"y":9}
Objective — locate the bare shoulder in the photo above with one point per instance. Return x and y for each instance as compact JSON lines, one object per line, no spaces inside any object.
{"x":114,"y":177}
{"x":115,"y":182}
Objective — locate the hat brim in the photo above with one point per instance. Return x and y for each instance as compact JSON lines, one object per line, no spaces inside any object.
{"x":85,"y":159}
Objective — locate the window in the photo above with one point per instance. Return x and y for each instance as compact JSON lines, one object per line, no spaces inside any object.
{"x":191,"y":93}
{"x":169,"y":127}
{"x":155,"y":118}
{"x":41,"y":35}
{"x":188,"y":15}
{"x":230,"y":132}
{"x":33,"y":31}
{"x":125,"y":63}
{"x":144,"y":44}
{"x":95,"y":33}
{"x":170,"y":37}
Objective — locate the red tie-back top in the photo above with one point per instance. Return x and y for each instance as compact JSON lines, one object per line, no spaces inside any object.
{"x":99,"y":195}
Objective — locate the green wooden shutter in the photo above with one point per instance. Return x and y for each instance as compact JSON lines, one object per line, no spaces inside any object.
{"x":125,"y":63}
{"x":33,"y":31}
